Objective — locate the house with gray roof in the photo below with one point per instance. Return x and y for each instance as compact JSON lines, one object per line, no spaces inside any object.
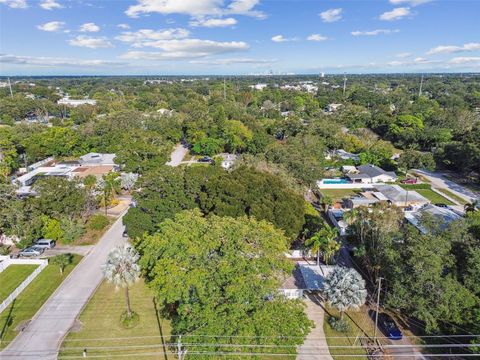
{"x":370,"y":174}
{"x":398,"y":196}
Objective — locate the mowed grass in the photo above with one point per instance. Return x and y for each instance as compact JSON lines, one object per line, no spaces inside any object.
{"x":30,"y":300}
{"x":361,"y":325}
{"x":339,"y":194}
{"x":433,"y":196}
{"x":453,"y":196}
{"x":12,"y":277}
{"x":101,"y":333}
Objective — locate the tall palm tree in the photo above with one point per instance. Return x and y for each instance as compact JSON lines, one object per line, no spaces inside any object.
{"x":344,"y":289}
{"x":324,"y":241}
{"x":122,"y":270}
{"x":471,"y":207}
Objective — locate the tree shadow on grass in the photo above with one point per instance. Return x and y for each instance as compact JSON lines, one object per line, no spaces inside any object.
{"x":8,"y":321}
{"x":160,"y":329}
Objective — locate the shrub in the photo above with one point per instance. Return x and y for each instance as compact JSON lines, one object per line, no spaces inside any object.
{"x":338,"y":324}
{"x":416,"y":186}
{"x":72,"y":230}
{"x":97,"y":222}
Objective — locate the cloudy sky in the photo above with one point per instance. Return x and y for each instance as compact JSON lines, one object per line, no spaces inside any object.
{"x":74,"y":37}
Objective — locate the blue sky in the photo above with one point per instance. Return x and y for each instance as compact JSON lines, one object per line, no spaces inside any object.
{"x":124,"y":37}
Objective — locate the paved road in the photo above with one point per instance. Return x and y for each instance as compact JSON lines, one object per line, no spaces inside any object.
{"x":177,"y":155}
{"x":43,"y":336}
{"x":440,"y":181}
{"x":315,"y":346}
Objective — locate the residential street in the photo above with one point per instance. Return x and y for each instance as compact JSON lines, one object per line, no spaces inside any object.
{"x":43,"y":336}
{"x":438,"y":180}
{"x":177,"y":155}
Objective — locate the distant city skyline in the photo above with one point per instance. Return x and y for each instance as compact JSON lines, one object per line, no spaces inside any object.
{"x":199,"y":37}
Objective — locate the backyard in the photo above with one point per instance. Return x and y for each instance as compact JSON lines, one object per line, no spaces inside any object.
{"x":12,"y":277}
{"x":339,"y":194}
{"x":100,"y":332}
{"x":30,"y":300}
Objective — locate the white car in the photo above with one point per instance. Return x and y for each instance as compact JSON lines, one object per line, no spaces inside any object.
{"x":31,"y":251}
{"x":44,"y":244}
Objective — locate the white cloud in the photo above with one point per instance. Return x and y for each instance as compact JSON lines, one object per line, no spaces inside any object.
{"x":89,"y":27}
{"x":50,"y":5}
{"x":403,"y":55}
{"x":194,"y":8}
{"x":186,"y":49}
{"x":396,"y":14}
{"x":331,"y":15}
{"x":447,"y":49}
{"x":317,"y":37}
{"x":212,"y":22}
{"x":233,"y":61}
{"x":142,"y":37}
{"x":374,"y":32}
{"x":281,"y":38}
{"x":123,"y":26}
{"x":90,"y":42}
{"x":50,"y":61}
{"x":409,"y":2}
{"x":51,"y":26}
{"x":475,"y":60}
{"x":15,"y":4}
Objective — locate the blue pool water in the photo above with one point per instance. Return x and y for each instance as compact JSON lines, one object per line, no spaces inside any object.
{"x":336,"y":181}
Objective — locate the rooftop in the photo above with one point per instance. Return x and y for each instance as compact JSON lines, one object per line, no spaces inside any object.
{"x":373,"y":171}
{"x":395,"y":193}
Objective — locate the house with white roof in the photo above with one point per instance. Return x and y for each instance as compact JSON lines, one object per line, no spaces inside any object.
{"x":370,"y":174}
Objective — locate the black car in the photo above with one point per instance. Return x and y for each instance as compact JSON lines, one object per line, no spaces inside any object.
{"x":442,"y":205}
{"x":389,"y":327}
{"x":205,"y":159}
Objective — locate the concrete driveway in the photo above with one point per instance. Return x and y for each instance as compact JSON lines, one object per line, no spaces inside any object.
{"x":315,"y":345}
{"x":43,"y":336}
{"x":176,"y":157}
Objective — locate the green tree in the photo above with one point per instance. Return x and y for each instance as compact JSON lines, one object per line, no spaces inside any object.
{"x":110,"y":186}
{"x":51,"y":228}
{"x":324,"y":241}
{"x":230,"y":270}
{"x":62,"y":261}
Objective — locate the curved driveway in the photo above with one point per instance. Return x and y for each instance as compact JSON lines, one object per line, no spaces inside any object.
{"x":43,"y":336}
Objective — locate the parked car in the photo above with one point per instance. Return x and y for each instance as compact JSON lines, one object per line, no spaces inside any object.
{"x":205,"y":159}
{"x":409,"y":181}
{"x":389,"y":326}
{"x":441,"y":205}
{"x":45,"y":244}
{"x":31,"y":251}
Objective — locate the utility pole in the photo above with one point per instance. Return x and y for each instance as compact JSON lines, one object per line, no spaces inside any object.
{"x":344,"y":83}
{"x":421,"y":85}
{"x":10,"y":87}
{"x":224,"y":89}
{"x":376,"y":312}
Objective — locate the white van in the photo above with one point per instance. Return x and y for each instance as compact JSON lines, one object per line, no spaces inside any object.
{"x":45,"y":243}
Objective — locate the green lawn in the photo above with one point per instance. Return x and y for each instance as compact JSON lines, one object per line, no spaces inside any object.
{"x":30,"y":300}
{"x":101,"y":328}
{"x":360,"y":325}
{"x":451,"y":195}
{"x":434,"y":197}
{"x":339,"y":194}
{"x":12,"y":277}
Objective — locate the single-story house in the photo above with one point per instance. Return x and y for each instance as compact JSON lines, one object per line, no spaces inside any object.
{"x":305,"y":277}
{"x":96,"y":159}
{"x":227,"y":160}
{"x":342,"y":154}
{"x":370,"y":174}
{"x":74,"y":103}
{"x":444,"y":216}
{"x":398,"y":196}
{"x":330,"y":108}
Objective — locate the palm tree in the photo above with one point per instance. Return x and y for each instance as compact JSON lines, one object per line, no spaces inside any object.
{"x":110,"y":185}
{"x":326,"y":201}
{"x":324,"y":241}
{"x":122,"y":270}
{"x":62,"y":261}
{"x":471,"y":207}
{"x":344,"y":289}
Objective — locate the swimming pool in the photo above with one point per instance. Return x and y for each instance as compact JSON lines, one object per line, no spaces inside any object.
{"x":335,"y":181}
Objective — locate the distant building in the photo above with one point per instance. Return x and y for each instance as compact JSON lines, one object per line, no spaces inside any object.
{"x":74,"y":103}
{"x":165,"y":112}
{"x":369,"y":174}
{"x":331,"y":108}
{"x":342,"y":154}
{"x":259,"y":86}
{"x":96,"y":159}
{"x":228,"y":160}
